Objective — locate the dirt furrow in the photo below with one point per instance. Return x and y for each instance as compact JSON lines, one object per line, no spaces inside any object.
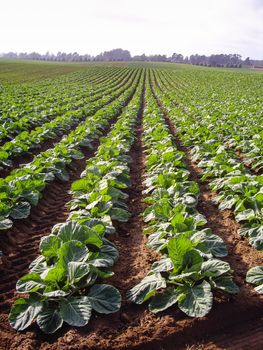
{"x":134,"y":257}
{"x":20,"y":244}
{"x":134,"y":327}
{"x":229,"y":311}
{"x":115,"y":331}
{"x":221,"y":222}
{"x":241,"y":156}
{"x":247,"y":337}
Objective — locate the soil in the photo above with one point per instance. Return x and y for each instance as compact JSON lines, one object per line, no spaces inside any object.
{"x":234,"y":322}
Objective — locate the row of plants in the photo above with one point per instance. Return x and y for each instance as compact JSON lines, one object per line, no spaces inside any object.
{"x":30,"y":140}
{"x":17,"y":100}
{"x":24,"y":104}
{"x":99,"y":193}
{"x":235,"y":109}
{"x":65,"y":281}
{"x":22,"y":188}
{"x":17,"y":116}
{"x":190,"y":268}
{"x":238,"y":189}
{"x":221,"y":164}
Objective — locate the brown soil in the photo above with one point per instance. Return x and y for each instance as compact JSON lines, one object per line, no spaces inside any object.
{"x":241,"y":255}
{"x":246,"y":337}
{"x":134,"y":327}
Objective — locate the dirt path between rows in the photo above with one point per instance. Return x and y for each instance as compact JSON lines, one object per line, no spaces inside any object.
{"x":20,"y":244}
{"x":134,"y":327}
{"x":241,"y":256}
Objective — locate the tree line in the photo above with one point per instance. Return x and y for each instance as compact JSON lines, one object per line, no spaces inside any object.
{"x":215,"y":60}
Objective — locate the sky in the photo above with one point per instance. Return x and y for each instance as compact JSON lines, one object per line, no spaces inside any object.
{"x":140,"y":26}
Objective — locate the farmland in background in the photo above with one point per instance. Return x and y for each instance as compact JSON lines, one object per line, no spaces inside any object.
{"x":143,"y":179}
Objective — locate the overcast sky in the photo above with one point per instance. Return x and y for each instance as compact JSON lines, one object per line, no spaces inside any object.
{"x":141,"y":26}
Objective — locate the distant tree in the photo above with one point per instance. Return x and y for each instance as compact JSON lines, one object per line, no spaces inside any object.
{"x":247,"y":62}
{"x":157,"y":58}
{"x":116,"y":55}
{"x":177,"y":57}
{"x":10,"y":55}
{"x":215,"y":60}
{"x":142,"y":57}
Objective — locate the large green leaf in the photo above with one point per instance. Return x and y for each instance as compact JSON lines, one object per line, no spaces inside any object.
{"x":24,"y":312}
{"x":177,"y":247}
{"x":31,"y":282}
{"x":72,"y":230}
{"x":257,"y":242}
{"x":21,"y":211}
{"x":226,"y":284}
{"x":119,"y":214}
{"x":146,"y":288}
{"x":31,"y":196}
{"x":81,"y":185}
{"x":49,"y":245}
{"x":76,"y":271}
{"x":228,"y":202}
{"x":163,"y":301}
{"x":255,"y":277}
{"x":107,"y":256}
{"x":5,"y":223}
{"x":245,"y":215}
{"x":55,"y":293}
{"x":39,"y":266}
{"x":61,"y":174}
{"x":72,"y":251}
{"x":104,"y":298}
{"x":214,"y":268}
{"x":49,"y":320}
{"x":214,"y":243}
{"x":92,"y":239}
{"x":76,"y":311}
{"x":191,"y":258}
{"x":162,"y":265}
{"x":195,"y":301}
{"x":55,"y":274}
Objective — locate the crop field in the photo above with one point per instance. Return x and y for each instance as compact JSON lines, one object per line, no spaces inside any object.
{"x":131,"y":207}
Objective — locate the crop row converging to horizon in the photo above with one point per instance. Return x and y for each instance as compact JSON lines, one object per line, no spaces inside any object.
{"x":200,"y":135}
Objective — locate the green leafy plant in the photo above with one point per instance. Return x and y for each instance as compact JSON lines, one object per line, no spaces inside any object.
{"x":255,"y":277}
{"x":63,"y":281}
{"x":61,"y":285}
{"x":189,"y":269}
{"x":183,"y":277}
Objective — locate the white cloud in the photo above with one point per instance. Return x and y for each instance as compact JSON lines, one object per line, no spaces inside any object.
{"x":150,"y":26}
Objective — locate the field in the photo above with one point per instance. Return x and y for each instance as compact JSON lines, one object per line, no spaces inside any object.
{"x":131,"y":206}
